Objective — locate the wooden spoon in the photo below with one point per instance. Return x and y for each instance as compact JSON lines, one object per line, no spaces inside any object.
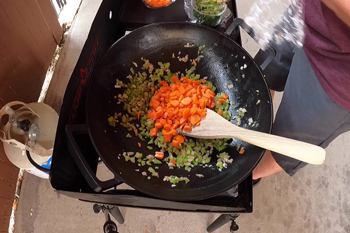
{"x":214,"y":126}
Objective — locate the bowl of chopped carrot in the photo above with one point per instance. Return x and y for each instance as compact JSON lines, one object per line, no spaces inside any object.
{"x":155,"y":4}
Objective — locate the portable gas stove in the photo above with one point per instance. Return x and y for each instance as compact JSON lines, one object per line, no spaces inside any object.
{"x":76,"y":176}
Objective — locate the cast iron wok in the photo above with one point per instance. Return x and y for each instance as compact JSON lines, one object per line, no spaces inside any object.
{"x":226,"y":64}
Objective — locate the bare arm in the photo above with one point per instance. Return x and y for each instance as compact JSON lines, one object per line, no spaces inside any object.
{"x":341,"y":8}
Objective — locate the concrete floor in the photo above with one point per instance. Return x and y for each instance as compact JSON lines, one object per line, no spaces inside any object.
{"x":315,"y":200}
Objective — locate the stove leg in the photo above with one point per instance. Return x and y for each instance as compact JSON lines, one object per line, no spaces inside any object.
{"x":222,"y":220}
{"x":109,"y":226}
{"x":115,"y":212}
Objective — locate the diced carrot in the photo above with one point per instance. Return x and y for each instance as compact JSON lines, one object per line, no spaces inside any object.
{"x":210,"y":92}
{"x":163,"y":83}
{"x":159,"y":114}
{"x":153,"y":132}
{"x":158,"y":125}
{"x":153,"y":115}
{"x":173,"y":87}
{"x":162,"y":121}
{"x":193,"y":110}
{"x":202,"y":103}
{"x":175,"y":93}
{"x":156,"y":96}
{"x":195,"y":119}
{"x":180,"y":139}
{"x":199,"y":91}
{"x":166,"y":132}
{"x":138,"y":115}
{"x":205,"y":99}
{"x":163,"y":89}
{"x":173,"y":132}
{"x":175,"y":143}
{"x":175,"y":103}
{"x":173,"y":161}
{"x":159,"y":155}
{"x":136,"y":132}
{"x":182,"y":90}
{"x":222,"y":101}
{"x":186,"y":101}
{"x":182,"y":120}
{"x":187,"y":128}
{"x":175,"y":79}
{"x":170,"y":114}
{"x":197,"y":83}
{"x":181,"y":97}
{"x":186,"y":113}
{"x":167,"y":127}
{"x":225,"y":96}
{"x":154,"y":103}
{"x":152,"y":89}
{"x":205,"y":94}
{"x":139,"y":144}
{"x":195,"y":99}
{"x":220,"y":112}
{"x":167,"y":138}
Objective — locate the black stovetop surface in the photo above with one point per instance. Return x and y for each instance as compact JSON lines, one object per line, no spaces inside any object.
{"x":75,"y":177}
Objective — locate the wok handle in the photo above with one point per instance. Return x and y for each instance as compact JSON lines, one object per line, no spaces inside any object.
{"x":89,"y":175}
{"x":240,"y":22}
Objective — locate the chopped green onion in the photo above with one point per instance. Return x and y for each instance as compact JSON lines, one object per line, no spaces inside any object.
{"x":156,"y":161}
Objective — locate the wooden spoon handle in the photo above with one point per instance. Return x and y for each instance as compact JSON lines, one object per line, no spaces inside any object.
{"x":302,"y":151}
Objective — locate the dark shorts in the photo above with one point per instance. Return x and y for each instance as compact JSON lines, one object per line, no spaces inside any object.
{"x":306,"y":112}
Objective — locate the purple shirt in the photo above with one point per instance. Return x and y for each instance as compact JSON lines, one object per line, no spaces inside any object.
{"x":327,"y":46}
